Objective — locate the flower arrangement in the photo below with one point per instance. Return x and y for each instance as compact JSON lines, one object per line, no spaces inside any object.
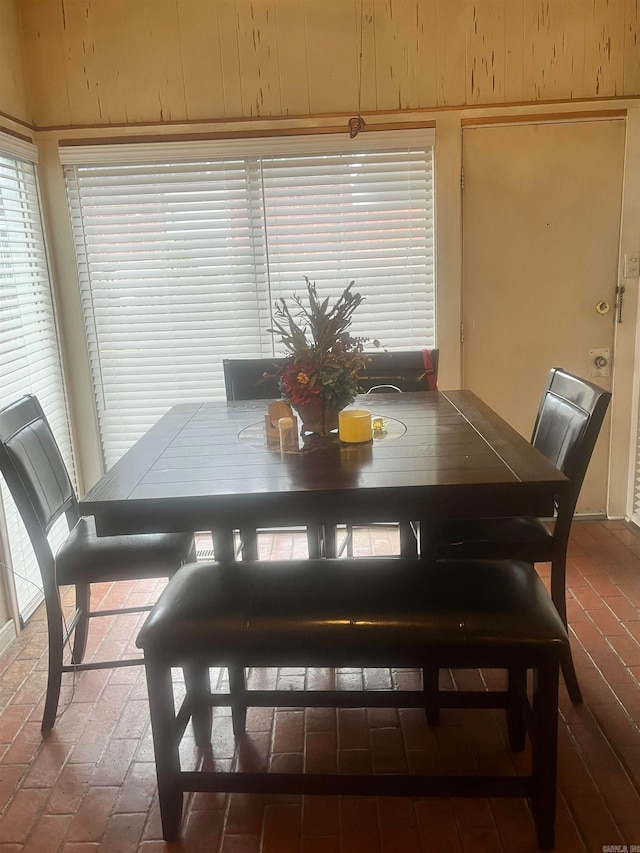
{"x":325,"y":359}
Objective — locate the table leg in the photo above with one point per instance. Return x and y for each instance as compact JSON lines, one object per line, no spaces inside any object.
{"x":223,"y":544}
{"x":408,"y":541}
{"x":427,"y":541}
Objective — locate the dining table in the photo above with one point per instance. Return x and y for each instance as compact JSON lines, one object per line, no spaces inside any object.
{"x":211,"y":466}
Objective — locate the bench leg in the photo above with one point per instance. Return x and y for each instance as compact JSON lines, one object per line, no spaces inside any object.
{"x":431,"y":687}
{"x":165,"y":746}
{"x":198,"y":684}
{"x":238,"y":699}
{"x":544,"y":758}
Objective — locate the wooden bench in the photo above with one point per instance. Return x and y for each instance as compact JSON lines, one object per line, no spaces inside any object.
{"x":347,"y":613}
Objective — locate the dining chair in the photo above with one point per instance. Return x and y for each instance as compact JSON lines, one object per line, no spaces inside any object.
{"x":252,"y":379}
{"x":567,"y":425}
{"x":401,"y":370}
{"x":39,"y":483}
{"x":389,"y":372}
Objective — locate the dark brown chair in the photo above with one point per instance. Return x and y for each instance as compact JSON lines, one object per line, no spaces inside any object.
{"x":39,"y":483}
{"x":567,"y":425}
{"x":244,"y":378}
{"x":252,"y":379}
{"x":408,"y":370}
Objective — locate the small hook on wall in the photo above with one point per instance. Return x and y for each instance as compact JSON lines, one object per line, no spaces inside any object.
{"x":356,"y":124}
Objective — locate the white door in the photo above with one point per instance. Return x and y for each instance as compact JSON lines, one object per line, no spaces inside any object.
{"x":541,"y":216}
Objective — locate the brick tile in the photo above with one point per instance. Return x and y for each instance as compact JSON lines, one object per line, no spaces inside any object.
{"x":396,"y":812}
{"x":70,"y":789}
{"x":437,"y":826}
{"x":133,"y":720}
{"x":622,"y":608}
{"x":388,"y":752}
{"x":400,"y":838}
{"x":286,"y":762}
{"x":320,"y":816}
{"x":320,"y":752}
{"x":47,"y":765}
{"x":90,"y":821}
{"x":320,"y":720}
{"x":92,"y":743}
{"x":353,"y":730}
{"x":10,"y":777}
{"x":203,"y":830}
{"x":26,"y":745}
{"x":320,"y":844}
{"x":282,"y":828}
{"x":626,"y":648}
{"x":240,"y":843}
{"x":138,"y":789}
{"x":114,"y":764}
{"x":354,"y":761}
{"x":22,"y":814}
{"x":48,"y":834}
{"x":245,"y":814}
{"x":359,"y":825}
{"x":11,"y":721}
{"x":122,"y":833}
{"x":289,"y":731}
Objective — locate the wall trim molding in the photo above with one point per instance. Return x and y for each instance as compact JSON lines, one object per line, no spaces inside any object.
{"x":317,"y":121}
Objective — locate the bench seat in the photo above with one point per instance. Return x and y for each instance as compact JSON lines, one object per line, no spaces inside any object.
{"x":385,"y":612}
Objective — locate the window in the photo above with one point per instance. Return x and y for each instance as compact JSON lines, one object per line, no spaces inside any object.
{"x":182,"y":253}
{"x":29,"y":354}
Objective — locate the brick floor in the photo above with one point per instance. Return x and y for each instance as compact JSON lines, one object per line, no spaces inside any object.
{"x":90,"y":785}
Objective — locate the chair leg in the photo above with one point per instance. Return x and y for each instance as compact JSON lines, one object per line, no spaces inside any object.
{"x":559,"y":598}
{"x":54,"y":677}
{"x":198,"y":684}
{"x":237,"y":690}
{"x":165,"y":746}
{"x":83,"y":602}
{"x":570,"y":677}
{"x":516,"y":725}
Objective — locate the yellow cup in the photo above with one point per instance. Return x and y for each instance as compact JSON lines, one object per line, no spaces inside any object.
{"x":354,"y":426}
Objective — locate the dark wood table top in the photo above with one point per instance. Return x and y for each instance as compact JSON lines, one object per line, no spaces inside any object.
{"x":206,"y":467}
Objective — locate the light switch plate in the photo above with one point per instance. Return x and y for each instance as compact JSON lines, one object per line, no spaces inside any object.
{"x":632,"y":265}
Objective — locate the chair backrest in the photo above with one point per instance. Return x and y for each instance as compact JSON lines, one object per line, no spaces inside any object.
{"x":34,"y":471}
{"x":244,"y":378}
{"x":567,"y":426}
{"x":400,"y":371}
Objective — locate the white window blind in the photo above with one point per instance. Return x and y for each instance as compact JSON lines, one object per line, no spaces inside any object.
{"x":181,"y":260}
{"x":29,"y":354}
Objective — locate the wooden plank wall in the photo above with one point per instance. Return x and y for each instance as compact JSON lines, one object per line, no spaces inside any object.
{"x":118,"y":62}
{"x":13,"y":96}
